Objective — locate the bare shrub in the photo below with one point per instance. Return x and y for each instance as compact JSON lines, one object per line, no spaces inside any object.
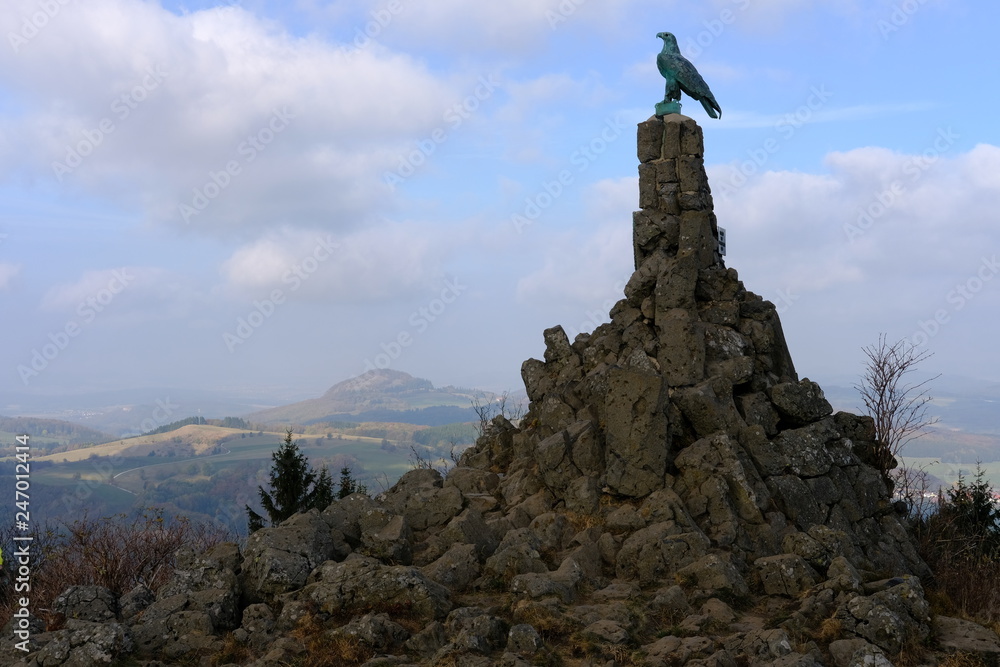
{"x":915,"y":487}
{"x":117,"y":552}
{"x":486,"y":408}
{"x":898,"y":408}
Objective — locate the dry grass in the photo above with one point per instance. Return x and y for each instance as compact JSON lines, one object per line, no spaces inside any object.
{"x":962,"y":660}
{"x":232,"y":652}
{"x":912,"y":654}
{"x":326,"y":650}
{"x":830,"y":630}
{"x":967,"y":586}
{"x":551,"y":625}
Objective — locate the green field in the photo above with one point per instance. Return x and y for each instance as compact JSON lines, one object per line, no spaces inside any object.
{"x":200,"y":470}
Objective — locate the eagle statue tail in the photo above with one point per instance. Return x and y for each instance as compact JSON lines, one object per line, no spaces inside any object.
{"x":711,"y":106}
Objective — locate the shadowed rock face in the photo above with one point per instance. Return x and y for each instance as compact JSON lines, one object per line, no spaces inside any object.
{"x":674,"y":487}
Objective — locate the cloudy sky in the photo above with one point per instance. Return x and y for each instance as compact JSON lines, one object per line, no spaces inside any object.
{"x":280,"y":195}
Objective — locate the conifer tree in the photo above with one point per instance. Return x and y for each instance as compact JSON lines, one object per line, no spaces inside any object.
{"x":349,"y":485}
{"x":295,"y":487}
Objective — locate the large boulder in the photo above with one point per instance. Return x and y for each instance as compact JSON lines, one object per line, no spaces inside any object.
{"x":279,"y":559}
{"x":362,"y":585}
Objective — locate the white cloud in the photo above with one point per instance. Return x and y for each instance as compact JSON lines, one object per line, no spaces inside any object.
{"x":309,"y":130}
{"x":880,"y":217}
{"x":383,"y":261}
{"x":127,"y":293}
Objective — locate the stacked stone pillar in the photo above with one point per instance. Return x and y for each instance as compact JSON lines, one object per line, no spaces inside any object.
{"x":674,"y":195}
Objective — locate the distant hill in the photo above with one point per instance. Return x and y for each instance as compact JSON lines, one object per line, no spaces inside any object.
{"x":377,"y":392}
{"x":437,"y":415}
{"x":52,"y":433}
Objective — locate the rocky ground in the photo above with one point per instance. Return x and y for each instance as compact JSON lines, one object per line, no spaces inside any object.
{"x":675,"y":495}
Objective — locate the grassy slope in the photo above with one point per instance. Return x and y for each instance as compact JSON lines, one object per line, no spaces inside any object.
{"x":202,"y":450}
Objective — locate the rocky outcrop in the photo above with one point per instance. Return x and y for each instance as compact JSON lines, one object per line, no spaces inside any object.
{"x":675,"y":494}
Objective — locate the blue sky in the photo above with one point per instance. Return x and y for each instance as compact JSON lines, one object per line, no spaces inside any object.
{"x":280,"y":195}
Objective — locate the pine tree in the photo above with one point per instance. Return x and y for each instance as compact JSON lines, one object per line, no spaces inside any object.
{"x":346,"y":483}
{"x":974,"y":513}
{"x":322,"y":493}
{"x":254,"y":521}
{"x":295,"y":487}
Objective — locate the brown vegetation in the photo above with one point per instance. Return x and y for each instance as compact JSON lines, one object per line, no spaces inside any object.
{"x":117,"y":552}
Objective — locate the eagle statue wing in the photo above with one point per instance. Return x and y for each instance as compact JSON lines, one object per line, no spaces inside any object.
{"x":681,"y":75}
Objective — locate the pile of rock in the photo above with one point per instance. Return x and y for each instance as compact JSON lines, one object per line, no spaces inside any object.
{"x":674,"y":495}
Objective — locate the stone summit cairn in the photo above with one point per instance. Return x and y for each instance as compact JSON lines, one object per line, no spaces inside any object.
{"x":674,"y":495}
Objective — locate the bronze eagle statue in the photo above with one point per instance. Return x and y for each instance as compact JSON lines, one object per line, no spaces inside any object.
{"x":681,"y":75}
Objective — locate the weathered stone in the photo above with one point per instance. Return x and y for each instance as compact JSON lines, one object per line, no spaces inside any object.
{"x":583,"y":495}
{"x":279,"y":559}
{"x":259,"y":624}
{"x":135,"y":601}
{"x":802,"y":402}
{"x":362,"y":584}
{"x":392,"y":543}
{"x":342,"y":516}
{"x":555,"y":463}
{"x":509,"y":560}
{"x":709,"y":408}
{"x":713,"y":573}
{"x":761,"y":646}
{"x":457,"y":568}
{"x":650,"y":554}
{"x":470,"y":528}
{"x":671,"y":147}
{"x":691,"y":137}
{"x":607,"y":631}
{"x":87,"y":603}
{"x":757,"y":410}
{"x":650,"y":140}
{"x":890,"y":618}
{"x":635,"y":431}
{"x":524,"y":640}
{"x":421,"y":497}
{"x":795,"y":500}
{"x":956,"y":635}
{"x":785,"y":574}
{"x":474,"y":629}
{"x":375,"y":630}
{"x":681,"y":347}
{"x":428,"y":641}
{"x":472,"y":480}
{"x":84,"y":643}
